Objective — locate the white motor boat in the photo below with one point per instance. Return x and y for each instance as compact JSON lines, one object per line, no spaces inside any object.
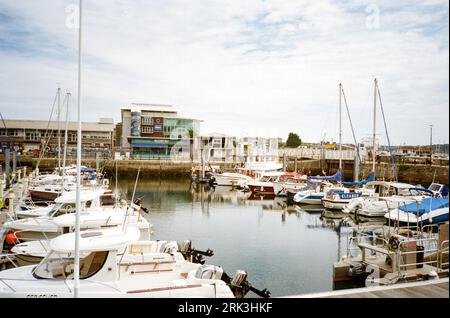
{"x":98,"y":199}
{"x":231,"y":179}
{"x":289,"y":181}
{"x":424,"y":212}
{"x":382,"y":196}
{"x":105,"y":272}
{"x":61,"y":219}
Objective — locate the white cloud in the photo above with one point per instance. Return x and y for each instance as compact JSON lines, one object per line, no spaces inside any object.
{"x":267,"y":67}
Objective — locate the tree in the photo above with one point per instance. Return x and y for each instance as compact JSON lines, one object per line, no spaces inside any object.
{"x":293,"y":141}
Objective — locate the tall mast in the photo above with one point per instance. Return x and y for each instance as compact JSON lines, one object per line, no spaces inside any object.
{"x":431,"y":144}
{"x":76,"y":275}
{"x":65,"y":143}
{"x":340,"y":126}
{"x":374,"y":145}
{"x":59,"y":130}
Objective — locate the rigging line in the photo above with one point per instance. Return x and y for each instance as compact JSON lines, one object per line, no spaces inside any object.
{"x":351,"y":124}
{"x":51,"y":133}
{"x":46,"y":130}
{"x":394,"y":171}
{"x":11,"y":142}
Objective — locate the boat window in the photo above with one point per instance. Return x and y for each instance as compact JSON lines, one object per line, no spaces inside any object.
{"x":54,"y":209}
{"x":64,"y":209}
{"x":60,"y":266}
{"x":88,"y":204}
{"x":435,"y":187}
{"x":107,"y":200}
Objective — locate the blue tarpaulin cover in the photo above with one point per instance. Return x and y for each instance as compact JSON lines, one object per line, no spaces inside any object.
{"x":362,"y":182}
{"x":427,"y":205}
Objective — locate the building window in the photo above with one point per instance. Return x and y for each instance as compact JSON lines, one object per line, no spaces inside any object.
{"x":147,"y":120}
{"x":217,"y":143}
{"x":147,"y":129}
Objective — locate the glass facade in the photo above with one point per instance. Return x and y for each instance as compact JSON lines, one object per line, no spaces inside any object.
{"x":173,"y":131}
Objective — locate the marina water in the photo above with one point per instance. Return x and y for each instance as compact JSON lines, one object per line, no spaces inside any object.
{"x":283,"y":248}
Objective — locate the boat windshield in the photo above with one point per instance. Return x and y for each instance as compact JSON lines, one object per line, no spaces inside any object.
{"x":435,"y":187}
{"x":61,"y":265}
{"x":61,"y":208}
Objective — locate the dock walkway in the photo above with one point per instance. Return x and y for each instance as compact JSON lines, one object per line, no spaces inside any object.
{"x":425,"y":289}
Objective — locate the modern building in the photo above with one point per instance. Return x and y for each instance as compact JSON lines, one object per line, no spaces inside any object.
{"x":156,"y":131}
{"x":29,"y":135}
{"x":215,"y":148}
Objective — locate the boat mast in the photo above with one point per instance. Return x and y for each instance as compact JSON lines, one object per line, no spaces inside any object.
{"x":431,"y":145}
{"x":59,"y":130}
{"x":65,"y":143}
{"x":76,"y":275}
{"x":374,"y":124}
{"x":340,"y":126}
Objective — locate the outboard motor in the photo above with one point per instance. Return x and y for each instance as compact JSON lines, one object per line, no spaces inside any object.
{"x":239,"y":278}
{"x":240,"y":286}
{"x":193,"y":255}
{"x":209,"y":272}
{"x":356,"y":270}
{"x":169,"y":247}
{"x":138,"y":203}
{"x":187,"y":246}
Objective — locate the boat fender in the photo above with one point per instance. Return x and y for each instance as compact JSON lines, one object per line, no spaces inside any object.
{"x":11,"y":239}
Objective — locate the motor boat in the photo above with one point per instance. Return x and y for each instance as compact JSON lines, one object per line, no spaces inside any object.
{"x":289,"y":181}
{"x":103,"y":200}
{"x":61,"y":219}
{"x":230,"y":179}
{"x":105,"y":271}
{"x":265,"y":185}
{"x":312,"y":193}
{"x":382,"y":196}
{"x":427,"y":211}
{"x":338,"y":198}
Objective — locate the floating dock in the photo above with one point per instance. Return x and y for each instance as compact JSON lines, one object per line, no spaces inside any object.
{"x":437,"y":288}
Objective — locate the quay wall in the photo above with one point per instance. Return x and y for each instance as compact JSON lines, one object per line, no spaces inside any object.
{"x":411,"y":173}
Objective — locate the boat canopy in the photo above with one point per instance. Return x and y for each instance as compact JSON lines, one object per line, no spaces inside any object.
{"x":96,"y":240}
{"x":336,"y":177}
{"x":362,"y":182}
{"x":422,"y":190}
{"x":427,"y":205}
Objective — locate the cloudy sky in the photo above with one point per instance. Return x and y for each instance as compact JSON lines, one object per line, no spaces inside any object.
{"x":245,"y":67}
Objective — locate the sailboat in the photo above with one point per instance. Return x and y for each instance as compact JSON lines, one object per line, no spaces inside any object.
{"x":337,"y":197}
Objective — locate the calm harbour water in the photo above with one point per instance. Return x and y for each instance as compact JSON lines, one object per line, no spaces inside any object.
{"x":284,"y":249}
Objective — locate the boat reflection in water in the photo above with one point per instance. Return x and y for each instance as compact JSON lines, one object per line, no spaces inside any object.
{"x":283,"y":247}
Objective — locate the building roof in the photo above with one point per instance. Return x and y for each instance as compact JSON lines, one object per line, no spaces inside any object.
{"x":42,"y":124}
{"x":151,"y":107}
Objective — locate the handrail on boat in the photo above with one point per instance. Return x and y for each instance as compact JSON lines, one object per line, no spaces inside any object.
{"x":443,"y":250}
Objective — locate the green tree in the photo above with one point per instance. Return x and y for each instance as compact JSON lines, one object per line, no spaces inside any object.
{"x":293,"y":141}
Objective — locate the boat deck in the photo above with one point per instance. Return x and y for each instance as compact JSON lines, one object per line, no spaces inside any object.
{"x":424,"y":289}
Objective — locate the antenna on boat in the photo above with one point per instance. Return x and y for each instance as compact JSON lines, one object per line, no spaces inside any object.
{"x":76,"y":275}
{"x":340,"y":126}
{"x":59,"y":130}
{"x":65,"y":143}
{"x":374,"y":123}
{"x":132,"y":197}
